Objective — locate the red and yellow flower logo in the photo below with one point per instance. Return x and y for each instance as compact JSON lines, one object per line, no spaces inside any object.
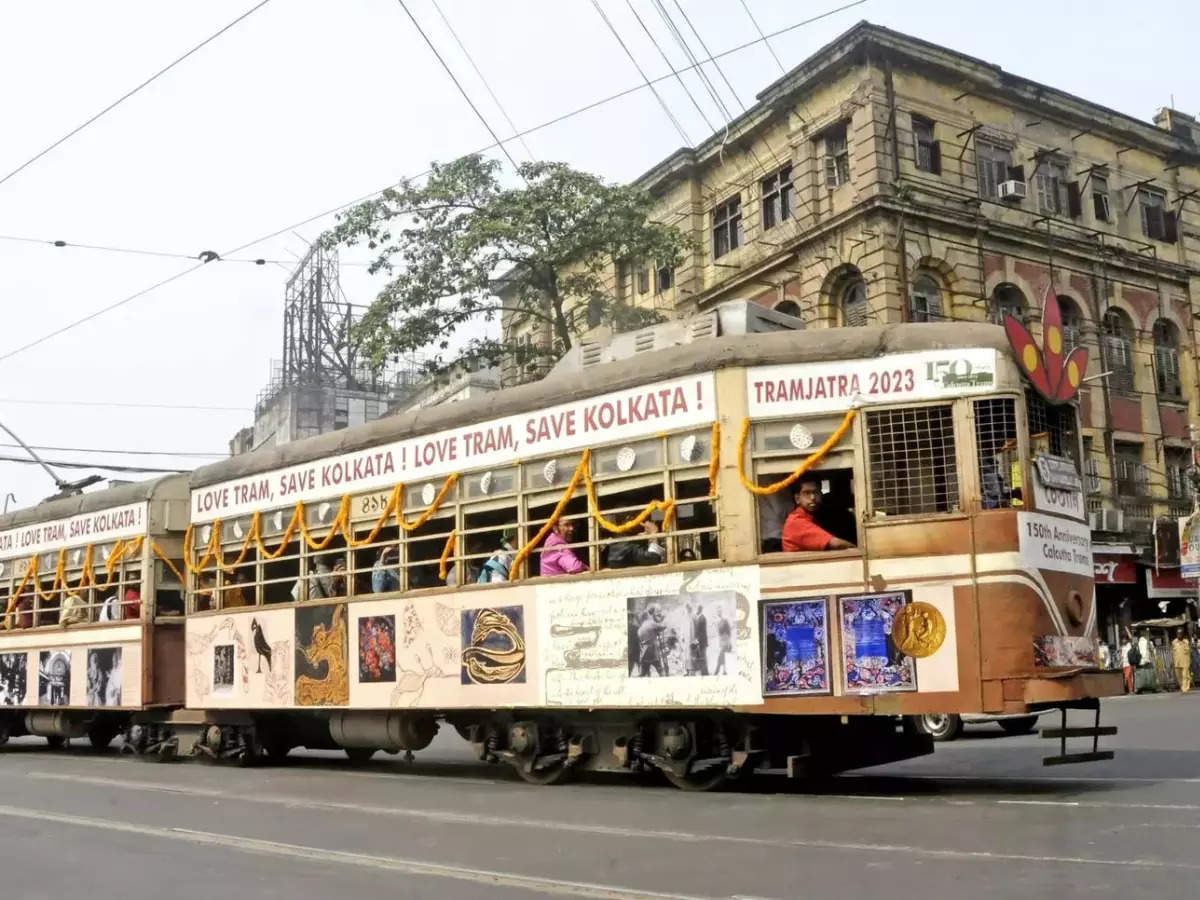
{"x":1055,"y":377}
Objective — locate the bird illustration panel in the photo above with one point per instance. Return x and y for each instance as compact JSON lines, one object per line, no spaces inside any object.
{"x":240,"y":659}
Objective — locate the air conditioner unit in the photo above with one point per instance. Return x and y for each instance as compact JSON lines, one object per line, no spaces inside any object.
{"x":1012,"y":190}
{"x":1111,"y":520}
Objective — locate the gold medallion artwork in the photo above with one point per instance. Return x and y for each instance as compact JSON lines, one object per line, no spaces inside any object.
{"x":919,"y":630}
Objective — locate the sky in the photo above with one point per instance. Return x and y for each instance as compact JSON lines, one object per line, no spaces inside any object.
{"x":308,"y":104}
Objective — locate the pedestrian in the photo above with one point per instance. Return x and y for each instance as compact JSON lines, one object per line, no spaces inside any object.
{"x":1105,"y":655}
{"x":1145,"y":675}
{"x":1127,"y":664}
{"x":1181,"y":659}
{"x":557,"y":557}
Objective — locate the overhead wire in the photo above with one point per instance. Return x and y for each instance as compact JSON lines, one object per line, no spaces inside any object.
{"x":770,"y":49}
{"x":486,"y":85}
{"x":163,"y":71}
{"x":120,"y":405}
{"x":646,"y":78}
{"x":165,"y":254}
{"x":120,"y":452}
{"x":670,"y":65}
{"x":588,"y":107}
{"x":62,"y":464}
{"x":461,"y":89}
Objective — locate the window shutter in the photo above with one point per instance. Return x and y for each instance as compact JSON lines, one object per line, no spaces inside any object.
{"x":1074,"y":201}
{"x":830,"y":171}
{"x":1170,"y":227}
{"x":935,"y":157}
{"x":1016,"y":173}
{"x":1100,"y":202}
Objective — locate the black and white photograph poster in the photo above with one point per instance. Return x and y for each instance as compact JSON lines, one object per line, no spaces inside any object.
{"x":104,"y":676}
{"x":685,"y":634}
{"x":223,"y":669}
{"x":12,"y":678}
{"x":54,"y":678}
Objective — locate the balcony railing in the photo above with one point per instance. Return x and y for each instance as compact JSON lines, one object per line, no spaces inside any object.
{"x":1133,"y":478}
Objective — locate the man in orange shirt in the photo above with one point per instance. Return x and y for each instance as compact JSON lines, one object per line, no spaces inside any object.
{"x":800,"y":531}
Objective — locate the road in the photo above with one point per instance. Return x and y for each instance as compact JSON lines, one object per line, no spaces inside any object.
{"x":980,"y":817}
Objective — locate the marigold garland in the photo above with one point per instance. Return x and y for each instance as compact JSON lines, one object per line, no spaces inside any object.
{"x":715,"y":462}
{"x":572,"y":486}
{"x":667,"y":506}
{"x":447,"y":551}
{"x":816,"y":457}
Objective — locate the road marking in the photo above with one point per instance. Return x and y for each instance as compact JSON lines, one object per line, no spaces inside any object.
{"x":479,"y":819}
{"x":536,"y":883}
{"x":1102,"y":804}
{"x":1039,"y":779}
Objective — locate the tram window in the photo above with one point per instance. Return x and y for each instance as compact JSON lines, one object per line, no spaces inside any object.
{"x":327,"y":574}
{"x":996,"y":449}
{"x":425,"y":546}
{"x":1052,"y":429}
{"x":695,"y":519}
{"x":576,"y":512}
{"x":489,"y":542}
{"x":279,"y":578}
{"x":912,"y":461}
{"x":378,"y":566}
{"x":238,"y":588}
{"x":168,"y":592}
{"x":621,"y":502}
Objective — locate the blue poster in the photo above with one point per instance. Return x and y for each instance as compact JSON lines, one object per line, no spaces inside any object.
{"x":871,"y":659}
{"x":796,"y":647}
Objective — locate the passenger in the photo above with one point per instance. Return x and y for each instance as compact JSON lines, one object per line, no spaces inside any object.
{"x":320,"y":583}
{"x":687,"y":554}
{"x":628,"y":553}
{"x":337,"y":579}
{"x":385,"y":574}
{"x":239,"y":594}
{"x":73,"y":610}
{"x":498,"y":567}
{"x":25,"y":610}
{"x":557,"y":558}
{"x":800,"y":532}
{"x":131,"y":605}
{"x":204,"y":593}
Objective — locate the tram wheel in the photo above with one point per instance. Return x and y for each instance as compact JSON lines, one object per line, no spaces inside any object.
{"x":554,"y":773}
{"x":1023,"y":725}
{"x":56,"y":741}
{"x":708,"y":779}
{"x":101,"y":734}
{"x":359,"y":755}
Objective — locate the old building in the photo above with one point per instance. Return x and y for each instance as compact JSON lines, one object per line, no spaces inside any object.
{"x":886,"y":179}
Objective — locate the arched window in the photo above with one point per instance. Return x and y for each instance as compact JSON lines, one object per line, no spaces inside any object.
{"x":924,"y":300}
{"x":1072,"y":323}
{"x":1166,"y":359}
{"x":788,"y":308}
{"x":1116,"y":349}
{"x":1007,"y":300}
{"x":853,"y":301}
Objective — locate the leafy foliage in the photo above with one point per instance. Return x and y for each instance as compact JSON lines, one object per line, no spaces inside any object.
{"x":462,"y":250}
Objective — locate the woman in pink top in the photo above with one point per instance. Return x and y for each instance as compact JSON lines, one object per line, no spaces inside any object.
{"x":557,"y":557}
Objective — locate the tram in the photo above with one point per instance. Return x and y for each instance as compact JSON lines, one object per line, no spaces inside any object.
{"x":607,"y":570}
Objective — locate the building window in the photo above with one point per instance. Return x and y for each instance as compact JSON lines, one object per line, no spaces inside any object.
{"x":1133,"y":478}
{"x":1091,"y":468}
{"x":643,"y":280}
{"x":927,"y":153}
{"x":1007,"y":300}
{"x":837,"y":157}
{"x":1051,"y":186}
{"x":1166,"y":360}
{"x":788,"y":308}
{"x":664,"y":279}
{"x":854,"y":302}
{"x":996,"y":448}
{"x":1158,"y":222}
{"x":727,"y":227}
{"x":1100,"y":204}
{"x":992,"y":165}
{"x":1052,"y":429}
{"x":1179,"y":485}
{"x":913,"y":469}
{"x":924,"y":300}
{"x":1072,"y":324}
{"x":777,"y":197}
{"x":1116,"y":350}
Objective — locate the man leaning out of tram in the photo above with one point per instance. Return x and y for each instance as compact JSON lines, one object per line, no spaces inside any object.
{"x":637,"y":551}
{"x":800,"y":530}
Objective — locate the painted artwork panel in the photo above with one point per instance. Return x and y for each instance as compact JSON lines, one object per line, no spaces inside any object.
{"x":322,"y":650}
{"x":796,"y":647}
{"x":688,"y":634}
{"x":13,"y":668}
{"x":493,"y":645}
{"x":54,"y":678}
{"x":871,"y":661}
{"x":376,"y":649}
{"x":104,"y":676}
{"x":1065,"y":651}
{"x":223,"y":669}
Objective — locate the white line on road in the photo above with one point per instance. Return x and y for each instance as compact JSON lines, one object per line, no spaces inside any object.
{"x":321,"y":854}
{"x":1102,"y":804}
{"x":627,"y":832}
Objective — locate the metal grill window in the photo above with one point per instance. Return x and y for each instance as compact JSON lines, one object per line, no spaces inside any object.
{"x":913,"y":468}
{"x":996,"y":448}
{"x":1055,"y":423}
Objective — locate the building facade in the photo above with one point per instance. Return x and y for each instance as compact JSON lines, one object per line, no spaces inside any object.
{"x":886,"y":180}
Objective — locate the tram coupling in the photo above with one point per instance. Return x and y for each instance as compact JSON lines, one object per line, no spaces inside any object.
{"x":1063,"y":732}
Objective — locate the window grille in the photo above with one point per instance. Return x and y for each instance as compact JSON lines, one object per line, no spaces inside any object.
{"x":925,"y":300}
{"x":1166,"y":360}
{"x":1179,"y":486}
{"x":991,"y":165}
{"x":1057,"y":423}
{"x":996,"y":449}
{"x":913,"y":469}
{"x":854,"y":303}
{"x":1133,"y":477}
{"x":1092,"y":470}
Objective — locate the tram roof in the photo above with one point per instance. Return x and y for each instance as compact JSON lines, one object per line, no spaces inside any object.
{"x":167,"y":487}
{"x":773,"y":348}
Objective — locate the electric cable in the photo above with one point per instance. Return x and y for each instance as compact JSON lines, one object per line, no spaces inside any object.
{"x":122,"y":452}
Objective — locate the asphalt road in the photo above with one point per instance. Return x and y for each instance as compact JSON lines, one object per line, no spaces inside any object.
{"x":981,"y":818}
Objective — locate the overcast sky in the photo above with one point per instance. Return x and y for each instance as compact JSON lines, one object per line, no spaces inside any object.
{"x":307,"y":104}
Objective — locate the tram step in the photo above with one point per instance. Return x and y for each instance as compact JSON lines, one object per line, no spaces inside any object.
{"x":1087,"y":731}
{"x":1066,"y":758}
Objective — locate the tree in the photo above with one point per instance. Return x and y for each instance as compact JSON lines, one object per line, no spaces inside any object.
{"x":463,"y":250}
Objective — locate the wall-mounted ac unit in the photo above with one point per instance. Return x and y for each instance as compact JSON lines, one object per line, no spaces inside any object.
{"x":1012,"y":191}
{"x":1112,"y":520}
